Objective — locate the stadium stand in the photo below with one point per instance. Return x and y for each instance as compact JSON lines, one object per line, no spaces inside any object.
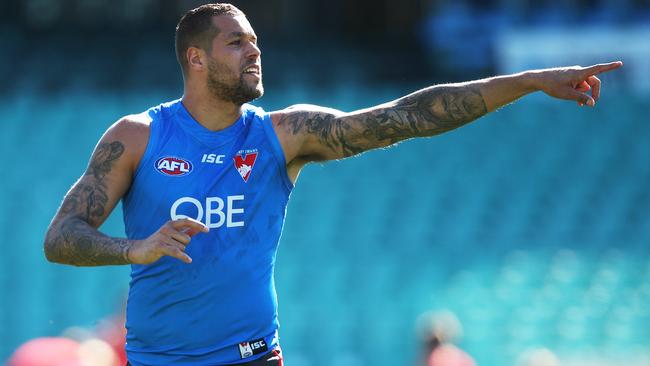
{"x":530,"y":225}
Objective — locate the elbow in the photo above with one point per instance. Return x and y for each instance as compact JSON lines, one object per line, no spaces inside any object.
{"x":49,"y":247}
{"x":53,"y":243}
{"x":50,"y":256}
{"x":59,"y":243}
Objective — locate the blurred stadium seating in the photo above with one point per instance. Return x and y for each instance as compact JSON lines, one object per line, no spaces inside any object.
{"x":529,"y":225}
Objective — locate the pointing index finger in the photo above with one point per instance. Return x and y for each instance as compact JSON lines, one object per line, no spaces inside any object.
{"x":600,"y":68}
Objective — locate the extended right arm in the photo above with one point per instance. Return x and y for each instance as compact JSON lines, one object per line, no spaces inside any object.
{"x":73,"y":238}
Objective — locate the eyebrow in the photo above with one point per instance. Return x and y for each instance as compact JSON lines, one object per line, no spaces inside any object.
{"x":240,"y":34}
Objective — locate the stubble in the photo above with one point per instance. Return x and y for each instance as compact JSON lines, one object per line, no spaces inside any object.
{"x":224,"y":85}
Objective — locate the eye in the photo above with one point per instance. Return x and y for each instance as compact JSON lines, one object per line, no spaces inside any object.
{"x":235,"y":43}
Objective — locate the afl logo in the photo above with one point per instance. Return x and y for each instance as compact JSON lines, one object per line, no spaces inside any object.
{"x":173,"y":166}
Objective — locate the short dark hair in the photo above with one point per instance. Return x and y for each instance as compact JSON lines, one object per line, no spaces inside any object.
{"x":196,"y":29}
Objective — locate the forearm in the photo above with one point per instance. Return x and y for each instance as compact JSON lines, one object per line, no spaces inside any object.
{"x":441,"y":108}
{"x":434,"y":110}
{"x":73,"y":241}
{"x":501,"y":90}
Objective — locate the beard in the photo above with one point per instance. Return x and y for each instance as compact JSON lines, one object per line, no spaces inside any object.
{"x":226,"y":86}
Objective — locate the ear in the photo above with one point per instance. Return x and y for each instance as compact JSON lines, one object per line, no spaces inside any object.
{"x":196,"y":59}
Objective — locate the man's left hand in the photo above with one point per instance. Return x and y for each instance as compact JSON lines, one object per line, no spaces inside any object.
{"x":574,"y":83}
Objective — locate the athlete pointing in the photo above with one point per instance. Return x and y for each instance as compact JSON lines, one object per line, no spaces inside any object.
{"x":205,"y":180}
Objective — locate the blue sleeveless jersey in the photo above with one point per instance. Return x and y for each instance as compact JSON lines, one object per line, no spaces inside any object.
{"x":222,"y":308}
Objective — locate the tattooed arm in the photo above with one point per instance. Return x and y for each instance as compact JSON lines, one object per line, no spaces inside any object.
{"x":73,"y":238}
{"x":311,"y":133}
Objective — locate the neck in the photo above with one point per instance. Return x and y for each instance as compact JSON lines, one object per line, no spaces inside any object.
{"x":212,"y":113}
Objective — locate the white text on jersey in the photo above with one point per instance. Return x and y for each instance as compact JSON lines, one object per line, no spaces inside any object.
{"x":213,"y":206}
{"x":213,"y":158}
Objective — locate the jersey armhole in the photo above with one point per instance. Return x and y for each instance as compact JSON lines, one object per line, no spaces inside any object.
{"x":151,"y":141}
{"x":277,"y":151}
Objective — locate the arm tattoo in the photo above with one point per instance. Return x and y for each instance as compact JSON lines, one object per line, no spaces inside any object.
{"x":73,"y":238}
{"x":104,"y":157}
{"x":427,"y":112}
{"x":74,"y":241}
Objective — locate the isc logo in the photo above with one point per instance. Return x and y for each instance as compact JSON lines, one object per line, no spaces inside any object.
{"x":173,"y":166}
{"x":213,"y":158}
{"x":247,"y":349}
{"x":258,"y":344}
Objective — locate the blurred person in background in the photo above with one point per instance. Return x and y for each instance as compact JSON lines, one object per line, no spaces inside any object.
{"x":47,"y":351}
{"x":214,"y":170}
{"x":64,"y":351}
{"x":111,"y":330}
{"x":438,"y":332}
{"x":538,"y":357}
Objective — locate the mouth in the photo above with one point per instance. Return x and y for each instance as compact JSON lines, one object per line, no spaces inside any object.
{"x":253,"y":70}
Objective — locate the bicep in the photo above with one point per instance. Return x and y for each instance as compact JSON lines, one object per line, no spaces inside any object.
{"x":304,"y":131}
{"x":95,"y":194}
{"x":317,"y":134}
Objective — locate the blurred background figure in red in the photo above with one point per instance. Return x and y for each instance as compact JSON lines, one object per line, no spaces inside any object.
{"x":77,"y":347}
{"x":49,"y":351}
{"x":112,"y":331}
{"x":439,"y":331}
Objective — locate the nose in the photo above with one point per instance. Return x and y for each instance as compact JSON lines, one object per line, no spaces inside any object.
{"x":253,"y":51}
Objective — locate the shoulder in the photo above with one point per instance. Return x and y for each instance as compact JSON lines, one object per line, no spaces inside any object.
{"x":131,"y":135}
{"x":132,"y":130}
{"x":134,"y":125}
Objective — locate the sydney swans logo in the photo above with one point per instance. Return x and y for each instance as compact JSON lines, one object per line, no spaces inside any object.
{"x":244,"y":162}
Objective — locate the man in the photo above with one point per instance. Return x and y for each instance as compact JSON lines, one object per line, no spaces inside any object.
{"x":438,"y":331}
{"x":214,"y":171}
